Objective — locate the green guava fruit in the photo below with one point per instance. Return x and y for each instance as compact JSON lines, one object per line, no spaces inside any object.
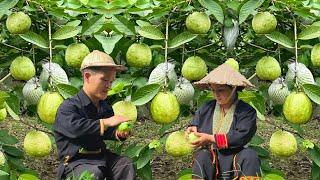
{"x":75,"y":54}
{"x":297,"y":108}
{"x":37,"y":144}
{"x":18,"y":23}
{"x":139,"y":55}
{"x":198,"y":23}
{"x":178,"y":145}
{"x":194,"y":68}
{"x":268,"y":68}
{"x":22,"y":68}
{"x":233,"y":63}
{"x":283,"y":144}
{"x":264,"y":23}
{"x":48,"y":106}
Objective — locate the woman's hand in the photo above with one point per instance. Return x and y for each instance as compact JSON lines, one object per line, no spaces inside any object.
{"x":204,"y":139}
{"x":191,"y":129}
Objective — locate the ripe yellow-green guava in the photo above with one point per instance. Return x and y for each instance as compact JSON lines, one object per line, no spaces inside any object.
{"x":75,"y":54}
{"x":2,"y":159}
{"x":192,"y":137}
{"x":268,"y":68}
{"x":283,"y":144}
{"x":37,"y":144}
{"x":18,"y":23}
{"x":272,"y":176}
{"x":28,"y":177}
{"x":233,"y":63}
{"x":139,"y":55}
{"x":315,"y":55}
{"x":3,"y":114}
{"x":164,"y":108}
{"x":22,"y":68}
{"x":178,"y":145}
{"x":194,"y":68}
{"x":198,"y":23}
{"x":297,"y":108}
{"x":48,"y":106}
{"x":264,"y":23}
{"x":128,"y":110}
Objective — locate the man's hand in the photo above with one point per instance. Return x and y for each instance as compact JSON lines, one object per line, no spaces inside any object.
{"x":121,"y":135}
{"x":204,"y":139}
{"x":114,"y":121}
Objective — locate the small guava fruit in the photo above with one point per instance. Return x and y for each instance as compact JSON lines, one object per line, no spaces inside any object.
{"x":198,"y":23}
{"x":75,"y":54}
{"x":264,"y":23}
{"x":48,"y":106}
{"x":37,"y":144}
{"x":22,"y":68}
{"x":178,"y":145}
{"x":283,"y":144}
{"x":18,"y":23}
{"x":268,"y":68}
{"x":139,"y":55}
{"x":194,"y":68}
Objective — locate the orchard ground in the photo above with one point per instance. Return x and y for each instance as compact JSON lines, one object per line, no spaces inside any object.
{"x":295,"y":167}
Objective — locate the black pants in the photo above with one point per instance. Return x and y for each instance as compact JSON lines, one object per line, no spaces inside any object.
{"x":244,"y":163}
{"x":117,"y":168}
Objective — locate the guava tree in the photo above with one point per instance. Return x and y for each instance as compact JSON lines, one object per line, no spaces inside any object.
{"x":166,"y":45}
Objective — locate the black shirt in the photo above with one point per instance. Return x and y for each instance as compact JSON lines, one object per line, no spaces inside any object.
{"x":77,"y":125}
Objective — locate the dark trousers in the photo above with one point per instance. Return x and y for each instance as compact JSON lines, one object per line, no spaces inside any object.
{"x":244,"y":163}
{"x":117,"y":168}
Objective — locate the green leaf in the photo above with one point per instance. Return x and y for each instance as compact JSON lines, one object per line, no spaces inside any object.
{"x":248,"y":9}
{"x":134,"y":150}
{"x":11,"y":112}
{"x":92,"y":25}
{"x":145,"y":94}
{"x":108,"y":43}
{"x":3,"y":96}
{"x":67,"y":90}
{"x":260,"y":151}
{"x":213,"y":8}
{"x":145,"y":173}
{"x":74,"y":23}
{"x":313,"y":92}
{"x":316,"y":23}
{"x":143,"y":23}
{"x":181,"y":39}
{"x":14,"y":103}
{"x":310,"y":32}
{"x":256,"y":140}
{"x":151,"y":32}
{"x":13,"y":151}
{"x":315,"y":171}
{"x":144,"y":158}
{"x":255,"y":100}
{"x":6,"y":5}
{"x":35,"y":39}
{"x":16,"y":163}
{"x":65,"y":32}
{"x":3,"y":173}
{"x":280,"y":39}
{"x":5,"y":138}
{"x":185,"y":174}
{"x":315,"y":155}
{"x":123,"y":25}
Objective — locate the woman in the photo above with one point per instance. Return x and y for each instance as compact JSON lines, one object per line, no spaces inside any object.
{"x":224,"y":127}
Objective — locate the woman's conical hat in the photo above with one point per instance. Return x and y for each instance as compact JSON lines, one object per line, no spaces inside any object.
{"x":223,"y":74}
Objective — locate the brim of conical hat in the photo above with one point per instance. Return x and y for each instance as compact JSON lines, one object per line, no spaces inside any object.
{"x":107,"y":65}
{"x":223,"y":75}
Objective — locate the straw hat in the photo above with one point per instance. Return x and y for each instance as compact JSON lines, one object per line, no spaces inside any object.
{"x":223,"y":74}
{"x":100,"y":59}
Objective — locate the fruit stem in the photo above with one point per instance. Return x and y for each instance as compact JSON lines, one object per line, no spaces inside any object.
{"x":15,"y":47}
{"x":4,"y":78}
{"x":34,"y":127}
{"x":296,"y":49}
{"x":173,"y":130}
{"x":50,"y":50}
{"x":166,"y":52}
{"x":282,"y":128}
{"x":253,"y":75}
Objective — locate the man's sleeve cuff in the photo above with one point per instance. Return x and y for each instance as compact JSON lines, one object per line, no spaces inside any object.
{"x":101,"y":127}
{"x":221,"y":141}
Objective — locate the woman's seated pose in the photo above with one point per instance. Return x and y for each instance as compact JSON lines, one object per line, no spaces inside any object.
{"x":224,"y":127}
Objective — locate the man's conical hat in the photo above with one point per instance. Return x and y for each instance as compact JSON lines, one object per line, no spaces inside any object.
{"x":223,"y":74}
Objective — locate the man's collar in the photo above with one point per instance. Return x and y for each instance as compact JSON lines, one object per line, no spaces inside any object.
{"x":84,"y":98}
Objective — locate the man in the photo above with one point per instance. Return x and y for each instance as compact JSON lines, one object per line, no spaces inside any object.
{"x":85,"y":120}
